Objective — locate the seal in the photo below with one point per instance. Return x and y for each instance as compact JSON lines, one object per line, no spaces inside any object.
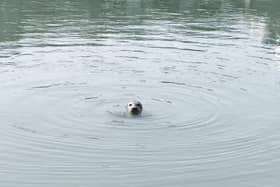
{"x":134,"y":108}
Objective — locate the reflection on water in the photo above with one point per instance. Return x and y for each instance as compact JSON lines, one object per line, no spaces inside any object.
{"x":16,"y":15}
{"x":207,"y":73}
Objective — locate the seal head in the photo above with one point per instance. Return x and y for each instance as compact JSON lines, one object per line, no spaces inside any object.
{"x":134,"y":108}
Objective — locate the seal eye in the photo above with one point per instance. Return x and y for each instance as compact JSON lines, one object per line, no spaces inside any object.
{"x":138,"y":104}
{"x":129,"y":104}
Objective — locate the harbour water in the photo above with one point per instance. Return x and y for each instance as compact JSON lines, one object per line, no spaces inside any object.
{"x":207,"y":73}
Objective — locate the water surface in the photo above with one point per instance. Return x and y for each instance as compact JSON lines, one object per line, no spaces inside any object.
{"x":207,"y":73}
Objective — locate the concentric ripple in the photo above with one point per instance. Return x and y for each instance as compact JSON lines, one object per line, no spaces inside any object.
{"x":87,"y":124}
{"x":85,"y":107}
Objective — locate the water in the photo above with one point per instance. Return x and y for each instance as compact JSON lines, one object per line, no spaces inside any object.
{"x":207,"y":73}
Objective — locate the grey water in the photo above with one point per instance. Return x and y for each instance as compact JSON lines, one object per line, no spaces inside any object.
{"x":207,"y":73}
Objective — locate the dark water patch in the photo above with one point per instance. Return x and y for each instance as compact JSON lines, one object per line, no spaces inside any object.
{"x":46,"y":86}
{"x":25,"y":129}
{"x":162,"y":100}
{"x":202,"y":28}
{"x":131,"y":57}
{"x":176,"y":48}
{"x":92,"y":97}
{"x":176,"y":83}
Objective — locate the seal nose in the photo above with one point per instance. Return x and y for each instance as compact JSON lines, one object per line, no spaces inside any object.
{"x":134,"y":110}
